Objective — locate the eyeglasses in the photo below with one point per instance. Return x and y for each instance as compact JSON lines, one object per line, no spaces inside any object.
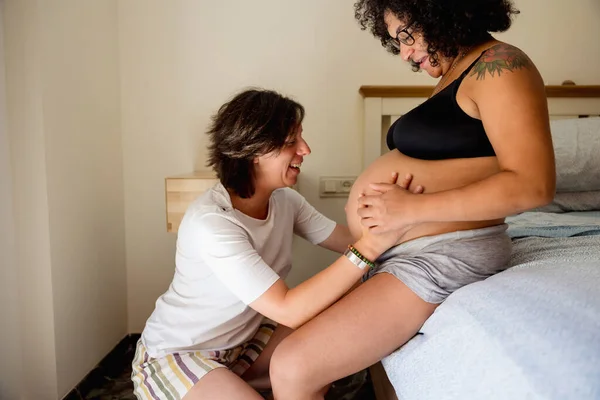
{"x":404,"y":37}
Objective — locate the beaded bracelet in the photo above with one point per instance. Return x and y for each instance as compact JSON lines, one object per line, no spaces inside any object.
{"x":359,"y":255}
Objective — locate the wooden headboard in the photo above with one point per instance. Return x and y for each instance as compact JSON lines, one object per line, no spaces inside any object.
{"x":384,"y":104}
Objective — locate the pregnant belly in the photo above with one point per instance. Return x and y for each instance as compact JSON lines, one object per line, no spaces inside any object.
{"x":434,"y":176}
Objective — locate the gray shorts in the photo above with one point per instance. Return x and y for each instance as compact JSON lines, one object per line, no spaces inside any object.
{"x":435,"y":266}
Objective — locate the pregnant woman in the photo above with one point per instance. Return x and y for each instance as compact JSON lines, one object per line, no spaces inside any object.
{"x":480,"y":146}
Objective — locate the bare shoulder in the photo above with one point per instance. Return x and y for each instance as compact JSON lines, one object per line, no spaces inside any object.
{"x":503,"y":76}
{"x":502,"y":59}
{"x":509,"y":94}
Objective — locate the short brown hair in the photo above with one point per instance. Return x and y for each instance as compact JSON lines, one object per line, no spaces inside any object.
{"x":253,"y":123}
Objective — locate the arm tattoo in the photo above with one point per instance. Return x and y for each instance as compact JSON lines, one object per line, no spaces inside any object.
{"x":498,"y":59}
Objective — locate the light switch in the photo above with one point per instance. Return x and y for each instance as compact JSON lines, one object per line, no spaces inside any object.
{"x":335,"y":186}
{"x":330,"y":186}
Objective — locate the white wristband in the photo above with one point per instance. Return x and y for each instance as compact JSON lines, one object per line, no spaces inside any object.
{"x":354,"y":259}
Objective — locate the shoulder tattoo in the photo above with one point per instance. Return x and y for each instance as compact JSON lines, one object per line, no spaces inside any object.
{"x":499,"y":59}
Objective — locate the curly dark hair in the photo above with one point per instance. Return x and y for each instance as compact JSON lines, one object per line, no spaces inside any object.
{"x":446,"y":25}
{"x":253,"y":123}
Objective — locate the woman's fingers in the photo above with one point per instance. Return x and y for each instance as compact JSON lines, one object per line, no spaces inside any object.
{"x":408,"y":179}
{"x":376,"y":230}
{"x":367,"y":200}
{"x":405,"y":184}
{"x":361,"y":201}
{"x":382,"y":187}
{"x":368,"y":223}
{"x":394,"y":179}
{"x":364,"y":212}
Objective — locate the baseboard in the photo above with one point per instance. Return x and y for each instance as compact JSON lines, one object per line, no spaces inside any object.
{"x":109,"y":367}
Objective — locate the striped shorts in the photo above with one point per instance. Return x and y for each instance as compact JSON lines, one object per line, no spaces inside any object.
{"x":170,"y":377}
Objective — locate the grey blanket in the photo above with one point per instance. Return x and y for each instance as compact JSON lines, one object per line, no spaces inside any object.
{"x":530,"y":332}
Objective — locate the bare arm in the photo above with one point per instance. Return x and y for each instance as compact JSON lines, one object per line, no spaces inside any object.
{"x":228,"y":250}
{"x":512,"y":105}
{"x":339,"y":239}
{"x":294,"y":307}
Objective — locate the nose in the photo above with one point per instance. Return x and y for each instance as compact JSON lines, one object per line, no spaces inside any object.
{"x":406,"y":52}
{"x":303,"y":148}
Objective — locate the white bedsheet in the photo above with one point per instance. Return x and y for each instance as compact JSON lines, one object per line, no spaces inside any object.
{"x":531,"y":332}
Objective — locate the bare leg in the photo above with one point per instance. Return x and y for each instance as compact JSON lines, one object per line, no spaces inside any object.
{"x":368,"y":324}
{"x":257,"y":375}
{"x":222,"y":384}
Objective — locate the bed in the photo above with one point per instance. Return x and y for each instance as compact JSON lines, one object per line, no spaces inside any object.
{"x":532,"y":331}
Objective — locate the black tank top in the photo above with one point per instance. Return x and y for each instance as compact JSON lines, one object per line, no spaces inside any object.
{"x":439,"y":129}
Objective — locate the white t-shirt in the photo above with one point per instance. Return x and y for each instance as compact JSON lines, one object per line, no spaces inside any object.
{"x":224,"y":261}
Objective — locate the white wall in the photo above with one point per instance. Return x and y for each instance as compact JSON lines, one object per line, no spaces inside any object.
{"x":64,"y":131}
{"x":32,"y":237}
{"x":561,"y":37}
{"x":10,"y":344}
{"x":181,"y":59}
{"x":85,"y":181}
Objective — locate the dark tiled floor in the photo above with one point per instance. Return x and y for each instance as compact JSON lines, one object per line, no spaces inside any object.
{"x":111,"y":379}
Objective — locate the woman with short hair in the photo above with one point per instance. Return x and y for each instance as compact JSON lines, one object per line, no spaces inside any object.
{"x":212,"y":333}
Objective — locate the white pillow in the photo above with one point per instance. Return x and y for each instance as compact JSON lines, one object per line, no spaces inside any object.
{"x":577,"y":152}
{"x":573,"y":201}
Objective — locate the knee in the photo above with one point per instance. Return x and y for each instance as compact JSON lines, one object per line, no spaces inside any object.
{"x":289,"y":368}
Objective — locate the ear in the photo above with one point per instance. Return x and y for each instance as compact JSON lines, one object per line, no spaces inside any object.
{"x":256,"y":160}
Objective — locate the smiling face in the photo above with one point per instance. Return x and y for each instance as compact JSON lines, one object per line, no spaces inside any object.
{"x":281,"y":168}
{"x":415,"y":53}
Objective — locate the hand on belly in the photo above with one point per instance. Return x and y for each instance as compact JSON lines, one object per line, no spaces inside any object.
{"x":387,"y":207}
{"x":434,"y":176}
